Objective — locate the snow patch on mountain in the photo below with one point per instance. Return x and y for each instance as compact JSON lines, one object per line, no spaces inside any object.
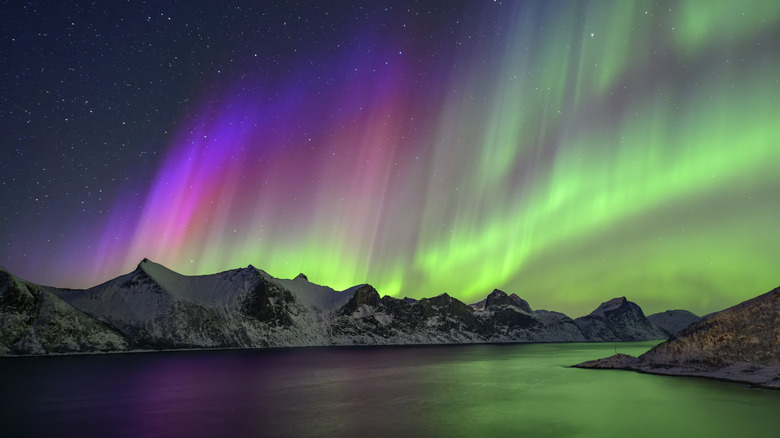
{"x":315,"y":295}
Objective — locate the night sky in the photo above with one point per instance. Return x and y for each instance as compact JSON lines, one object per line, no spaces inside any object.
{"x":566,"y":151}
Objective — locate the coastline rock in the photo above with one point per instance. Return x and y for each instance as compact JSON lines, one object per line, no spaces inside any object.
{"x":618,"y":361}
{"x":740,"y":344}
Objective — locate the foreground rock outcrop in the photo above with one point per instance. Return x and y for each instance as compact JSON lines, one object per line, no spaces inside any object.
{"x":155,"y":308}
{"x":740,"y":344}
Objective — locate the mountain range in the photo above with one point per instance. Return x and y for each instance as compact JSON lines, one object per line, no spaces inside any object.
{"x":155,"y":308}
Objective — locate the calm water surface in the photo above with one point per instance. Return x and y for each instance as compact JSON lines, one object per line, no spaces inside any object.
{"x":468,"y":390}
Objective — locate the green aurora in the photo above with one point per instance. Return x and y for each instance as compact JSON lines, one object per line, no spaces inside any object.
{"x":566,"y":151}
{"x":635,"y":161}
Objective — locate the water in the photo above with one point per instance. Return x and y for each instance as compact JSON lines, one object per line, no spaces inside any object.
{"x":468,"y":390}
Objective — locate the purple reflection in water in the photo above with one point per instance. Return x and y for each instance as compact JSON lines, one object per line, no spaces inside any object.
{"x":296,"y":392}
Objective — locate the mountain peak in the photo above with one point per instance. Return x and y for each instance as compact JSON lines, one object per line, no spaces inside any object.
{"x":616,"y":319}
{"x":613,"y":304}
{"x":157,"y":271}
{"x":364,"y":295}
{"x":302,"y":276}
{"x":497,"y":298}
{"x":147,"y":262}
{"x":500,"y":298}
{"x":618,"y":300}
{"x":521,"y":303}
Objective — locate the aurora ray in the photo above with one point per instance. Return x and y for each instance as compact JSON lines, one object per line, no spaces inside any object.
{"x":564,"y":151}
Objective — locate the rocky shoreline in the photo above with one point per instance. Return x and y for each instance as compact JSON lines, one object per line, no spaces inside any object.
{"x":739,"y":344}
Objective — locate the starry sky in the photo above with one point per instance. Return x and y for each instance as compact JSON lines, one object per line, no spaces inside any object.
{"x":566,"y":151}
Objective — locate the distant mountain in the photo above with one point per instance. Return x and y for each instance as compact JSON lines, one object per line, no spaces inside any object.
{"x":673,"y":320}
{"x":619,"y":319}
{"x":511,"y":316}
{"x":369,"y":319}
{"x":741,"y":343}
{"x":508,"y":299}
{"x":479,"y":305}
{"x":156,"y":308}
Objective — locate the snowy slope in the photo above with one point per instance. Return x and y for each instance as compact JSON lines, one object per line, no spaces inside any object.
{"x":316,"y":296}
{"x":159,"y":308}
{"x":35,"y":321}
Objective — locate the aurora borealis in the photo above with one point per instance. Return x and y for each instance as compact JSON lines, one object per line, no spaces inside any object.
{"x":565,"y":151}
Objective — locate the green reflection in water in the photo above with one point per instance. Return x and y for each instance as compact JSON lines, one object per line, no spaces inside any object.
{"x":506,"y":390}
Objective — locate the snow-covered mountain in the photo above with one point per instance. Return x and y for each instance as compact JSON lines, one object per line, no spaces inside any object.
{"x":741,"y":343}
{"x":35,"y":321}
{"x":154,"y":307}
{"x":619,"y":320}
{"x":240,"y":308}
{"x":673,"y":320}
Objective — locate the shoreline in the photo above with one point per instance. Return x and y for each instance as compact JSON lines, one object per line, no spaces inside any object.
{"x":630,"y":363}
{"x":286,"y":347}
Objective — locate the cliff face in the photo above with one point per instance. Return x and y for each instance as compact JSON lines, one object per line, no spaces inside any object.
{"x":741,"y":343}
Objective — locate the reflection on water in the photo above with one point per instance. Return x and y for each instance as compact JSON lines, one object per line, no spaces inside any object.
{"x":470,"y":390}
